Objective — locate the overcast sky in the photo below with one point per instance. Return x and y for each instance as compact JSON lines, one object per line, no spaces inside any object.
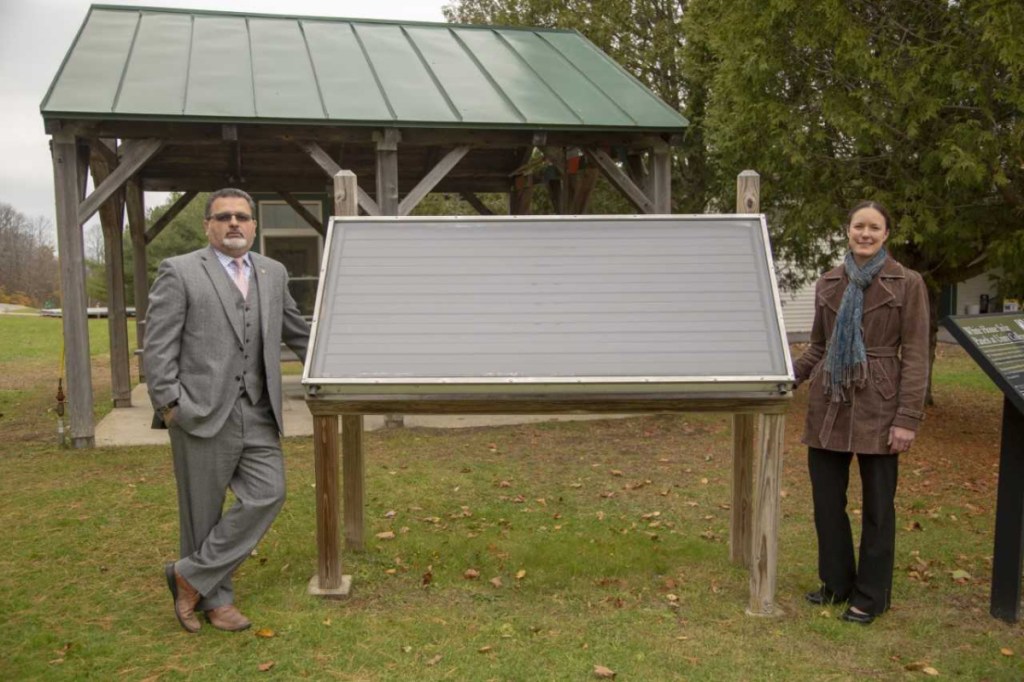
{"x":36,"y":34}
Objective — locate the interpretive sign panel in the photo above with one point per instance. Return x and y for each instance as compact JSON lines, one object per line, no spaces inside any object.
{"x":996,"y":343}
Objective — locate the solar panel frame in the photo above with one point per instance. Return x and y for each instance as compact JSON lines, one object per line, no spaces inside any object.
{"x":422,"y":233}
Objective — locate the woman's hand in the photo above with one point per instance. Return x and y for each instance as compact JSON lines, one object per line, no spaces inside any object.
{"x":900,"y":439}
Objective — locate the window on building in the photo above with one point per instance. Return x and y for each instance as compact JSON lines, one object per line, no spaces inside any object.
{"x":289,"y":239}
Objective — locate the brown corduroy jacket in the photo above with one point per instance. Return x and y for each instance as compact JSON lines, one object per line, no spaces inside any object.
{"x":895,"y":327}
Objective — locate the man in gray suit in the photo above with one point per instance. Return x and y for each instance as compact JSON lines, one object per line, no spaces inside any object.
{"x":212,"y":355}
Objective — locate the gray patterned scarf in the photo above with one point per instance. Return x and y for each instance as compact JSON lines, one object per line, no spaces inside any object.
{"x":846,"y":362}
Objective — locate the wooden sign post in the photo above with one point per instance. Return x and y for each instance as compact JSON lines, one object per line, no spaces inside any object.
{"x":996,"y":343}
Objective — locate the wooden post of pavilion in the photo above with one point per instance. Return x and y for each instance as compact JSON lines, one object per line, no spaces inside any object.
{"x":136,"y":209}
{"x":329,"y":580}
{"x":111,"y":214}
{"x":67,"y":183}
{"x":387,"y":199}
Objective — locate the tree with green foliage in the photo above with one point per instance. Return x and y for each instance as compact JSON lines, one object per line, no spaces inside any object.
{"x":646,"y":38}
{"x":914,"y":103}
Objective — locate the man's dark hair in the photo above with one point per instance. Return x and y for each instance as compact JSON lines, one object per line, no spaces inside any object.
{"x":229,"y":192}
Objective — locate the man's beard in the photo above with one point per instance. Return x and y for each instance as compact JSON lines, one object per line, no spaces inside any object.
{"x":236,"y":243}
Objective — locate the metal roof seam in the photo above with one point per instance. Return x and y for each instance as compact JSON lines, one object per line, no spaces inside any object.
{"x":433,"y":76}
{"x":312,"y":68}
{"x":573,"y":66}
{"x":487,"y":74}
{"x":608,"y":59}
{"x":252,"y":69}
{"x":373,"y":72}
{"x":188,"y":62}
{"x":540,"y":78}
{"x":127,"y":60}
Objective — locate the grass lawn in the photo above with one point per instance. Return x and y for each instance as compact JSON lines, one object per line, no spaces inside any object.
{"x":593,"y":544}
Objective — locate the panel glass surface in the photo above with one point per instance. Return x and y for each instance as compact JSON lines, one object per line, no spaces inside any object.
{"x":613,"y":300}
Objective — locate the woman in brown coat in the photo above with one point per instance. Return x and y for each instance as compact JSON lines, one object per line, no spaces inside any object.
{"x":866,"y":369}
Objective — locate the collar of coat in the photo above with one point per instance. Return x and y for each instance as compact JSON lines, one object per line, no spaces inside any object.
{"x":835,"y":282}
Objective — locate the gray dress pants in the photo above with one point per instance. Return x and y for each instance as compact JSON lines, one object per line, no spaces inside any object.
{"x":246,"y":457}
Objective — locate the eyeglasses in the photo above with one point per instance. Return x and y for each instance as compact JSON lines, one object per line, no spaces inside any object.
{"x":226,"y":216}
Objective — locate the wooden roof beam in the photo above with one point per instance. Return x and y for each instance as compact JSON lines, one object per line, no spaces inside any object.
{"x":430,"y":180}
{"x":621,"y":181}
{"x":170,"y":214}
{"x":136,"y":154}
{"x":331,"y":168}
{"x":303,"y":212}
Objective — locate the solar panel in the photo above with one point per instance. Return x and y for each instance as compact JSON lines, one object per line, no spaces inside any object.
{"x":548,"y":305}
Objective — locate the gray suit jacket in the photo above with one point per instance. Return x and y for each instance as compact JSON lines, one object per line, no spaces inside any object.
{"x":192,"y":348}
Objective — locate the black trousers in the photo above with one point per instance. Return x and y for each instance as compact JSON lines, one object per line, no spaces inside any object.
{"x":869,"y":584}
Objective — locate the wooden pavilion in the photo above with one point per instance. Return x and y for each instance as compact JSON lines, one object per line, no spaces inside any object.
{"x":190,"y":101}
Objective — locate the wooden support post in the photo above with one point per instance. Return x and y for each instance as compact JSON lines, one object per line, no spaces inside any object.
{"x":135,"y":203}
{"x":520,"y":195}
{"x":743,"y":428}
{"x":328,"y":581}
{"x":764,"y":556}
{"x":661,"y":179}
{"x":744,"y":434}
{"x":112,"y":223}
{"x":387,"y":199}
{"x":387,"y":170}
{"x":354,"y":477}
{"x":748,"y":192}
{"x":582,"y":189}
{"x":74,"y":315}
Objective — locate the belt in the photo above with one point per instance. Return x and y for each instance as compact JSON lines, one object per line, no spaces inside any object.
{"x":833,"y":407}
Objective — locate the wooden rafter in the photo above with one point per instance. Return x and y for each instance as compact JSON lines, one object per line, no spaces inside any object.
{"x":169,"y":215}
{"x":331,"y":168}
{"x":303,"y":212}
{"x":136,"y":154}
{"x":430,"y":180}
{"x":620,"y":180}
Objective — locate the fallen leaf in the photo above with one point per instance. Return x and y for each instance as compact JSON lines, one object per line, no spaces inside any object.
{"x":1006,"y":651}
{"x":428,"y":576}
{"x":471,"y":574}
{"x":435,"y":660}
{"x":265,"y":633}
{"x":930,"y":671}
{"x":703,"y":481}
{"x":520,"y":574}
{"x":386,"y":535}
{"x":390,"y":514}
{"x":327,"y":622}
{"x":672,"y":597}
{"x":603,"y":673}
{"x":264,"y":667}
{"x":496,"y":582}
{"x":484,"y":649}
{"x":504,"y":484}
{"x":615,"y":472}
{"x":961,"y":576}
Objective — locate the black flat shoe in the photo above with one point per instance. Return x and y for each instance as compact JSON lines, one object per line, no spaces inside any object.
{"x":823,"y":597}
{"x":851,"y":616}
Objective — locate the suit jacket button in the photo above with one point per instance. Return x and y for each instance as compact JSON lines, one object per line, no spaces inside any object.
{"x":238,"y":378}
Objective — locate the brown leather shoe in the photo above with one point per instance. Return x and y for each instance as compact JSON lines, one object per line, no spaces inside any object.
{"x":228,"y":617}
{"x":185,"y":599}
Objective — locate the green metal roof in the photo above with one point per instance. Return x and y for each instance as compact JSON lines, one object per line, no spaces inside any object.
{"x":184,"y":65}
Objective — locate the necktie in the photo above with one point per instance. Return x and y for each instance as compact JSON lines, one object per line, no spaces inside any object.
{"x":241,"y":281}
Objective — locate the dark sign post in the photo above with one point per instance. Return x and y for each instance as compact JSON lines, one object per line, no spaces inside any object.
{"x":996,"y":343}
